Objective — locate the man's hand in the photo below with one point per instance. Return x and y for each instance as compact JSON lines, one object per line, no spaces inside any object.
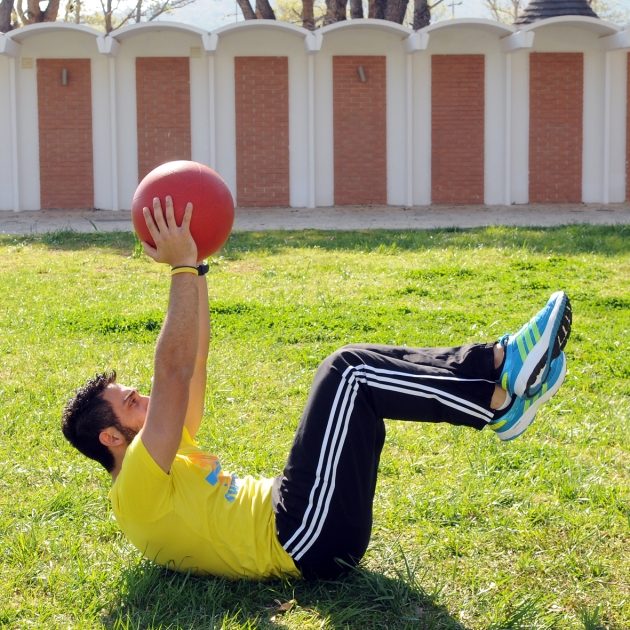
{"x":173,"y":245}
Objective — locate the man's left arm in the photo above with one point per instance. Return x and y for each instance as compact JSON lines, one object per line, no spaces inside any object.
{"x":197,"y":392}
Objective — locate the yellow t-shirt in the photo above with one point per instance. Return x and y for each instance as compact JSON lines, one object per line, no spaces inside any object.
{"x":198,"y":518}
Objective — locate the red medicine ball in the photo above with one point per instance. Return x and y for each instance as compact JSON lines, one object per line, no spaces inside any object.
{"x":213,"y":206}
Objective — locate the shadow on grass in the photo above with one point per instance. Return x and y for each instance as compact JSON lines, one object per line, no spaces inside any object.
{"x":152,"y":597}
{"x":573,"y":239}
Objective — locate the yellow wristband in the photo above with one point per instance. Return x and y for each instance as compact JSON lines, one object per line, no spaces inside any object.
{"x":184,"y":269}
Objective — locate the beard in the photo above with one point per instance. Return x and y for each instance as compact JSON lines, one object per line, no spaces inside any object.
{"x":128,"y":433}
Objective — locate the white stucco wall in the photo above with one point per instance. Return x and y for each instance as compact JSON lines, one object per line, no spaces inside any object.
{"x":520,"y":128}
{"x":6,"y":145}
{"x":421,"y":132}
{"x":164,"y":43}
{"x":559,"y":39}
{"x":618,"y":117}
{"x":362,"y":41}
{"x":462,"y":40}
{"x":263,"y":42}
{"x":62,"y":45}
{"x":212,"y":89}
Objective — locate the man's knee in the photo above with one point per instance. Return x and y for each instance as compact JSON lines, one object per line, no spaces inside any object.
{"x":344,"y":357}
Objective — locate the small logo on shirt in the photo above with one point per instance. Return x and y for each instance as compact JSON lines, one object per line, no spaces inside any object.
{"x":207,"y":461}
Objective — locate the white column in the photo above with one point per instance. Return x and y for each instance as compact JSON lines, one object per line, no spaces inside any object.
{"x":416,"y":42}
{"x":409,"y":196}
{"x":606,"y":178}
{"x":520,"y":40}
{"x":14,"y":133}
{"x":508,"y":130}
{"x":113,"y":125}
{"x":212,"y":141}
{"x":311,"y":131}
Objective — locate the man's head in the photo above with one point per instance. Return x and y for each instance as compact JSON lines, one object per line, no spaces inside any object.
{"x":103,"y":416}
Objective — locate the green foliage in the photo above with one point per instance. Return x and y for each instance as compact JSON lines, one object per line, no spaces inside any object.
{"x":469,"y":533}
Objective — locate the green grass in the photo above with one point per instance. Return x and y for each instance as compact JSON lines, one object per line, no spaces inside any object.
{"x":470,"y":533}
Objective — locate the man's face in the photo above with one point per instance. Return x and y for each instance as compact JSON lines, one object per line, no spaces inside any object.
{"x":128,"y":405}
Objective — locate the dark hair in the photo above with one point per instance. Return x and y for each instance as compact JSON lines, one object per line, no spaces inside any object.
{"x":86,"y":415}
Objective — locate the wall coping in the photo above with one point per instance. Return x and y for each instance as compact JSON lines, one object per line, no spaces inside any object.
{"x":154,"y":27}
{"x":368,"y":23}
{"x":276,"y":25}
{"x":499,"y":29}
{"x":595,"y":25}
{"x":24,"y":32}
{"x":9,"y":42}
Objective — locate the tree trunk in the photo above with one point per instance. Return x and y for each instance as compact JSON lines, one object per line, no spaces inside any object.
{"x":35,"y":15}
{"x":6,"y":7}
{"x":376,"y":9}
{"x":421,"y":14}
{"x":342,"y":10}
{"x":356,"y":9}
{"x":395,"y":11}
{"x":264,"y":10}
{"x":331,"y":12}
{"x":308,"y":17}
{"x":246,"y":8}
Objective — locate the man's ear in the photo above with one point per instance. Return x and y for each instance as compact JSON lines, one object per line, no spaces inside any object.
{"x":111,"y":438}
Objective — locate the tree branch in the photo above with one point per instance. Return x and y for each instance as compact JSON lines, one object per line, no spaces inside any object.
{"x":21,"y":12}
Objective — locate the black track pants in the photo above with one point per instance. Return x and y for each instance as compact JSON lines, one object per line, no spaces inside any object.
{"x":323,"y":499}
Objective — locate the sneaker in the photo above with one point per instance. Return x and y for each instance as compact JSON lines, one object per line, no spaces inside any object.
{"x":529,"y":353}
{"x":523,"y":411}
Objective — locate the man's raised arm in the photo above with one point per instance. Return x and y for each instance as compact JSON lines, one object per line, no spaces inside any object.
{"x":197,"y":392}
{"x":177,"y":344}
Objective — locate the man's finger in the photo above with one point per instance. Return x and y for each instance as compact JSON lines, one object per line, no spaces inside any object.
{"x":159,"y":215}
{"x":153,"y":230}
{"x":187,"y":217}
{"x":170,"y":213}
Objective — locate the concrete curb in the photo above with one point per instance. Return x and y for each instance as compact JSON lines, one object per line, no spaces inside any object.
{"x":337,"y":218}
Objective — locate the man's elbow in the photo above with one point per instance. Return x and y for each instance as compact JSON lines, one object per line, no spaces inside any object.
{"x":176,"y":374}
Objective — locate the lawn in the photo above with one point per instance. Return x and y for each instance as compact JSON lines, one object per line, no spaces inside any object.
{"x":470,"y":533}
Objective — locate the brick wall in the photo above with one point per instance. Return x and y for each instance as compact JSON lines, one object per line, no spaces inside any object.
{"x":66,"y":172}
{"x":163,"y":107}
{"x":628,"y":135}
{"x":457,"y":128}
{"x":556,"y":86}
{"x":262,"y":131}
{"x":360,"y":130}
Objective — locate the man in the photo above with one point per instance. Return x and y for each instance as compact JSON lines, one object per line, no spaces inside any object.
{"x":177,"y":506}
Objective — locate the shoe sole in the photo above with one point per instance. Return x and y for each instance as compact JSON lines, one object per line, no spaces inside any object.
{"x":561,"y":336}
{"x":536,"y":365}
{"x":527,"y":418}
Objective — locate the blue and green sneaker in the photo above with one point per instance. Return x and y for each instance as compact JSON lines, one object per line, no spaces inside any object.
{"x":529,"y":352}
{"x":522,"y":412}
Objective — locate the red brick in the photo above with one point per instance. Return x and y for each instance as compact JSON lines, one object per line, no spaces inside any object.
{"x":262,"y":131}
{"x":359,"y":127}
{"x":555,"y":127}
{"x":457,"y":129}
{"x":163,"y":111}
{"x":66,"y":167}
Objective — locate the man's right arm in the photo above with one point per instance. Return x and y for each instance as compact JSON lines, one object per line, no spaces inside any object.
{"x":176,"y":348}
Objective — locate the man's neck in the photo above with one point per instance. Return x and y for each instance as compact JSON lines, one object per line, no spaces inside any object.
{"x":119,"y":455}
